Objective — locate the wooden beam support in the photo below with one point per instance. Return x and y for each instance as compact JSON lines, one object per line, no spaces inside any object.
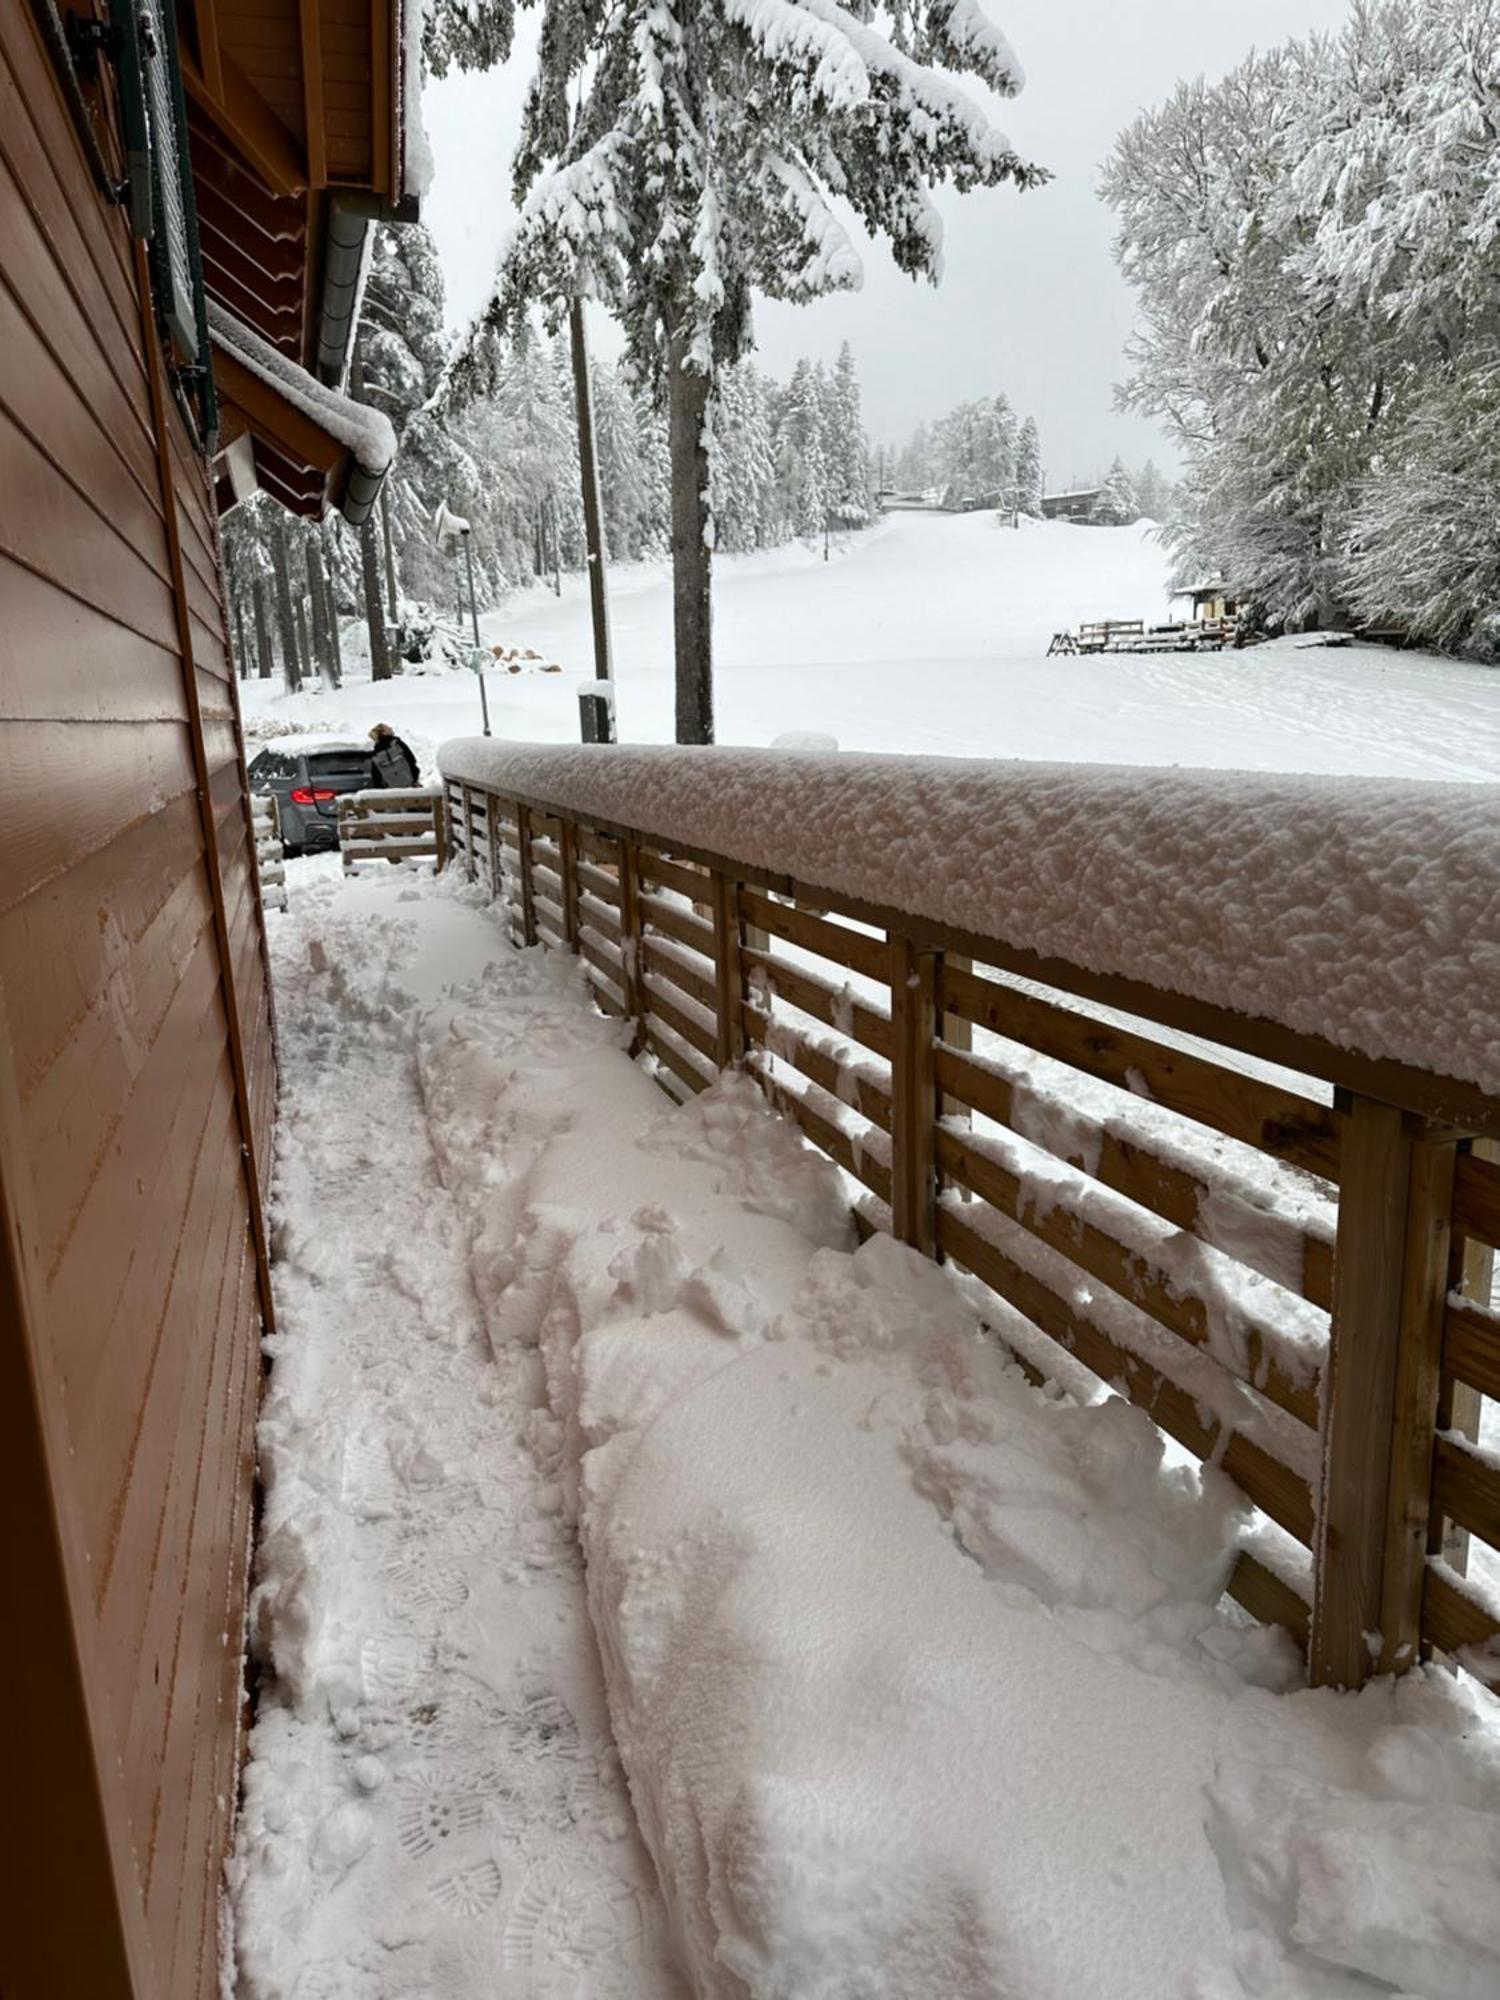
{"x":914,"y":1094}
{"x":528,"y":887}
{"x":310,"y":24}
{"x":630,"y":939}
{"x":729,"y":971}
{"x":568,"y":850}
{"x":1380,"y":1395}
{"x":247,"y":122}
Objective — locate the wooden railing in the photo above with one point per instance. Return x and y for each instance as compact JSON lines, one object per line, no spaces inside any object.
{"x":392,"y":825}
{"x":1291,"y":1277}
{"x":270,"y":862}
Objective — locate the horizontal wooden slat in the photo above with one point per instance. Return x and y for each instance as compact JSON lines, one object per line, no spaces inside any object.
{"x":1282,"y":1123}
{"x":660,"y":1006}
{"x":1269,"y":1598}
{"x":821,"y":999}
{"x":788,"y":1044}
{"x":665,"y":1051}
{"x":1471,"y":1347}
{"x":694,"y":883}
{"x":677,"y":922}
{"x":598,"y":954}
{"x":856,"y":950}
{"x":1476,"y":1199}
{"x":1466,"y":1489}
{"x":1273,"y":1487}
{"x":595,"y":847}
{"x":669,"y":963}
{"x":1131,"y":1168}
{"x":600,"y":918}
{"x":1454,"y":1622}
{"x":1115,"y":1263}
{"x":829,"y":1138}
{"x":601,"y":883}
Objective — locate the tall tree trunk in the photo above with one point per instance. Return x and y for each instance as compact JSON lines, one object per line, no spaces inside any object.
{"x":305,"y":649}
{"x":241,"y":650}
{"x":322,"y":614}
{"x":588,"y":470}
{"x":380,"y":652}
{"x":692,"y":559}
{"x":291,"y":660}
{"x":335,"y":641}
{"x":263,"y":655}
{"x":390,"y":553}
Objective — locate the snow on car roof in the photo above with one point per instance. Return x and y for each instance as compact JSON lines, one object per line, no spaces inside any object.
{"x":311,"y":745}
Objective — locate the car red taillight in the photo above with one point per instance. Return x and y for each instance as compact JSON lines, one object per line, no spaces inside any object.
{"x":306,"y":795}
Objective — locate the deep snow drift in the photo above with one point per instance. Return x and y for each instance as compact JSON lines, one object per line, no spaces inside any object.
{"x":920,"y":1675}
{"x":928,"y":633}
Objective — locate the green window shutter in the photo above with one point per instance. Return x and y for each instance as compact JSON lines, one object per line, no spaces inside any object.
{"x":162,"y":207}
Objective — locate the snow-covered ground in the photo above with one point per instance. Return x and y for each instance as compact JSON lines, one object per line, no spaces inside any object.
{"x":929,"y":633}
{"x":921,"y":1676}
{"x":433,"y":1807}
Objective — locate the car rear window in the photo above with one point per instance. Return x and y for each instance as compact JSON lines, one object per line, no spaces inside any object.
{"x":340,"y":763}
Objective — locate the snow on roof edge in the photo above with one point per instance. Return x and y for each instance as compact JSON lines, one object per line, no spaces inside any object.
{"x":364,"y":431}
{"x":1364,"y":911}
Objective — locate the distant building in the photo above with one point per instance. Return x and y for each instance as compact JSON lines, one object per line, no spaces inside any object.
{"x":1071,"y":506}
{"x":1211,"y":601}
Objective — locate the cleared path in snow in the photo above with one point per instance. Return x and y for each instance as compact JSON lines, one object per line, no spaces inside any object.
{"x":433,"y":1806}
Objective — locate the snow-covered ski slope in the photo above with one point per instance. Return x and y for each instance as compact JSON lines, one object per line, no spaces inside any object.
{"x":920,"y":1675}
{"x":928,"y":633}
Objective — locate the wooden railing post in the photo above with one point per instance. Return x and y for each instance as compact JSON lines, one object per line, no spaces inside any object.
{"x":729,"y":971}
{"x":493,"y":843}
{"x":442,"y":838}
{"x":1471,"y":1273}
{"x":468,"y":817}
{"x":528,"y":894}
{"x":1380,"y":1395}
{"x":568,"y":847}
{"x":630,"y":941}
{"x":914,"y":1094}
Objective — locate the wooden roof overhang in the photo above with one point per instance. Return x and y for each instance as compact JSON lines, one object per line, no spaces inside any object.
{"x":295,"y":131}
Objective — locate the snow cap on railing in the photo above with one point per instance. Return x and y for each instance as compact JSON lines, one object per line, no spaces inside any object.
{"x":1362,"y":910}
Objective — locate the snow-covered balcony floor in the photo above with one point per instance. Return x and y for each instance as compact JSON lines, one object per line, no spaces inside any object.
{"x":921,"y":1676}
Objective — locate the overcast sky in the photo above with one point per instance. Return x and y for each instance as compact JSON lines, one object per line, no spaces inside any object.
{"x":1030,"y":302}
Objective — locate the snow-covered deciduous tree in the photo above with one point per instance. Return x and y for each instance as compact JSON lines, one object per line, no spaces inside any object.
{"x":1316,"y":245}
{"x":679,"y":155}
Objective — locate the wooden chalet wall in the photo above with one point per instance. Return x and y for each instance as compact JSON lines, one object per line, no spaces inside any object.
{"x":130,"y":1111}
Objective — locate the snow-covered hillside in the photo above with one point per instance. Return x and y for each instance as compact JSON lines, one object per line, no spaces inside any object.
{"x":929,"y":633}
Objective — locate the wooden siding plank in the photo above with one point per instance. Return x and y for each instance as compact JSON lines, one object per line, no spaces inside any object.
{"x":38,"y":141}
{"x":71,"y":788}
{"x":47,"y":407}
{"x":28,"y":262}
{"x":68,"y":661}
{"x":50,"y":526}
{"x":57,"y":971}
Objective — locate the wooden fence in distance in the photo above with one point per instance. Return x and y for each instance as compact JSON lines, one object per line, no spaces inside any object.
{"x":916,"y":1061}
{"x":392,"y":825}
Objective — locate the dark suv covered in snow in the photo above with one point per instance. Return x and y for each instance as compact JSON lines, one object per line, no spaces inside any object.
{"x":306,"y":777}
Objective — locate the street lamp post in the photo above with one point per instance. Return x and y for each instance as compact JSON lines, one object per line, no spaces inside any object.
{"x":452,"y":530}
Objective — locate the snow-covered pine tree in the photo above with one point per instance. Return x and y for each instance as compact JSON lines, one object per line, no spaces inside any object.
{"x":1029,"y":468}
{"x":745,"y":502}
{"x":802,"y":472}
{"x":679,"y":155}
{"x":1117,"y":505}
{"x":846,"y":447}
